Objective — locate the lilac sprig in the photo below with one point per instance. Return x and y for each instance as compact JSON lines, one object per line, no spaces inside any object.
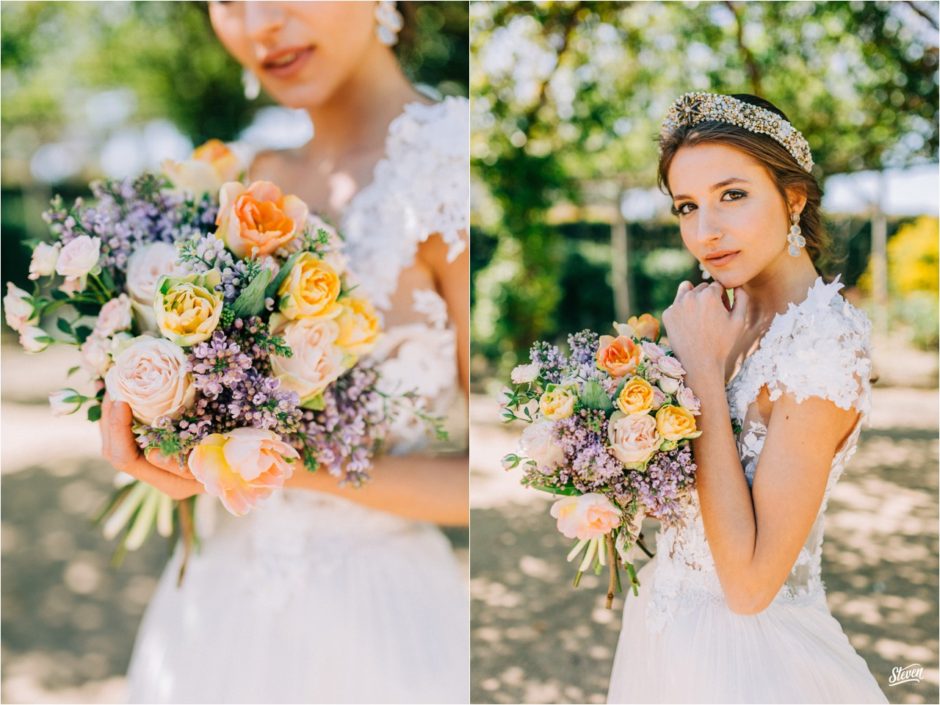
{"x":218,"y":363}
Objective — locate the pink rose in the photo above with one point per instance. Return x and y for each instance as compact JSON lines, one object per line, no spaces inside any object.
{"x":242,"y":467}
{"x":95,"y":357}
{"x":588,"y":516}
{"x":78,"y":257}
{"x":633,"y":438}
{"x":114,"y":316}
{"x":652,"y":350}
{"x":151,"y":375}
{"x":659,"y":398}
{"x":18,"y":307}
{"x":687,"y":399}
{"x":671,"y":367}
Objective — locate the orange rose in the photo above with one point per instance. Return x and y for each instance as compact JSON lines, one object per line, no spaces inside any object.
{"x":675,"y":423}
{"x":220,"y":157}
{"x":645,"y":326}
{"x":258,"y":220}
{"x":618,"y":356}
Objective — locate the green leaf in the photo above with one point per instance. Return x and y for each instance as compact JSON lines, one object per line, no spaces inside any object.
{"x":94,"y":412}
{"x":272,"y":288}
{"x":568,"y":491}
{"x":593,"y":396}
{"x":73,"y":370}
{"x":82,"y":333}
{"x":251,"y":301}
{"x":64,"y":326}
{"x":318,"y":403}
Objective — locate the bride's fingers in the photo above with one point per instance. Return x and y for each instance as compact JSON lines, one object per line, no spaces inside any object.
{"x":739,"y":310}
{"x":123,"y":444}
{"x":684,"y":288}
{"x":169,"y":463}
{"x":105,"y":427}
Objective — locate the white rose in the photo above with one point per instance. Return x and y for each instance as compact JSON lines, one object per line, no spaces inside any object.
{"x":95,"y":358}
{"x":17,"y":307}
{"x":73,"y":285}
{"x":78,"y":257}
{"x":65,"y":402}
{"x":540,"y":443}
{"x":523,"y":374}
{"x":145,"y":267}
{"x":633,"y":438}
{"x":44,"y":260}
{"x":34,"y":339}
{"x":192,"y":176}
{"x":670,"y":385}
{"x":151,"y":376}
{"x":114,"y":316}
{"x":317,"y":360}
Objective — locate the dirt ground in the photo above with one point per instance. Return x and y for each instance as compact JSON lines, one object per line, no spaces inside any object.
{"x":536,"y":639}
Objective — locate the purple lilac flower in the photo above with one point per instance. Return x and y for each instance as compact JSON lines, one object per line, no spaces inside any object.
{"x":344,"y":435}
{"x":217,"y":364}
{"x":549,"y":359}
{"x":664,"y":484}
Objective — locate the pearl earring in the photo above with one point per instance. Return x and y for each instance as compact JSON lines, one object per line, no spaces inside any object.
{"x":705,"y":273}
{"x":388,"y":22}
{"x":795,"y":237}
{"x":251,"y":84}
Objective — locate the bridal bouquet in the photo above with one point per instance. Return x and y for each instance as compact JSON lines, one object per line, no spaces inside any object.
{"x":608,"y":429}
{"x":223,"y":315}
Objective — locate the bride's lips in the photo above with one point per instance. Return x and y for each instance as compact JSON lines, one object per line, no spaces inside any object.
{"x":284,"y":63}
{"x":720,"y":259}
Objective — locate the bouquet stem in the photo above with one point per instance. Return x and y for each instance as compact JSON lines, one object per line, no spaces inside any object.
{"x":613,"y":584}
{"x":188,"y":531}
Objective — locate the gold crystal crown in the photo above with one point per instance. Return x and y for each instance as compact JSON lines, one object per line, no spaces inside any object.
{"x":693,"y":108}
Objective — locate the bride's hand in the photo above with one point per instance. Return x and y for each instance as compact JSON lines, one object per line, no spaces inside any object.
{"x":701,"y":329}
{"x":119,"y":447}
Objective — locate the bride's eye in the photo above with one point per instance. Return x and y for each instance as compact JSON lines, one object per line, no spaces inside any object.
{"x":683,"y":208}
{"x":734,"y":195}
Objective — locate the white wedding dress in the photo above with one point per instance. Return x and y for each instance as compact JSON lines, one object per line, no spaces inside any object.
{"x":680,"y":642}
{"x":312,"y":598}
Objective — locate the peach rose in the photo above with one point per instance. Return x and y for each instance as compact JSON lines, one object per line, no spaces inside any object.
{"x":618,"y":356}
{"x":114,"y":316}
{"x":636,"y":396}
{"x":258,"y":220}
{"x":316,"y":361}
{"x":558,"y":403}
{"x":242,"y":467}
{"x":675,"y":423}
{"x":359,"y":326}
{"x":644,"y":326}
{"x":633,"y":438}
{"x":151,"y":375}
{"x":588,"y":516}
{"x":310,"y":290}
{"x":210,"y":166}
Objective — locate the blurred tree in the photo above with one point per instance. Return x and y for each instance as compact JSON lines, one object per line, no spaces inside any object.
{"x":571,"y":92}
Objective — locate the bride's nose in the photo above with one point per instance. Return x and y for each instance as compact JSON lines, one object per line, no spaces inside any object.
{"x":263,"y":20}
{"x":707,"y":227}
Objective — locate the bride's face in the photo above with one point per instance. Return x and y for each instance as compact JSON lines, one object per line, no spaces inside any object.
{"x":732,"y":217}
{"x":302,"y":52}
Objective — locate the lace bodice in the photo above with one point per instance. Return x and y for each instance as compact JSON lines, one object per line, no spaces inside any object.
{"x":420,"y":188}
{"x":819,"y":347}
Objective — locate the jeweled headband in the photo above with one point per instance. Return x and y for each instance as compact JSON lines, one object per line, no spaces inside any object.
{"x":693,"y":108}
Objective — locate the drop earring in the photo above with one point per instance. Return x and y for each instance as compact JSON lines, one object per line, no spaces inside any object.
{"x":251,"y":84}
{"x":388,"y":22}
{"x":795,"y":236}
{"x":705,"y":273}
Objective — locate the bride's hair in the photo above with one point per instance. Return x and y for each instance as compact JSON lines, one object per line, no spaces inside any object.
{"x":780,"y":164}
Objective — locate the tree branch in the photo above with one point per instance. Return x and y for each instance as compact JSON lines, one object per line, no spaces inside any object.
{"x":753,"y":69}
{"x":923,"y":13}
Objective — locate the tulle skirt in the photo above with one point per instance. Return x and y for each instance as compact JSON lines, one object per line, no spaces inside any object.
{"x":309,"y":599}
{"x":789,"y":653}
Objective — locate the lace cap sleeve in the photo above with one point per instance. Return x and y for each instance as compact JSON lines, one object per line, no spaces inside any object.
{"x":821,"y":347}
{"x":428,"y":149}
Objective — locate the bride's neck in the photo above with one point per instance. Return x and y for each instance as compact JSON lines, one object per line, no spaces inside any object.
{"x":355,"y":119}
{"x":785,"y":281}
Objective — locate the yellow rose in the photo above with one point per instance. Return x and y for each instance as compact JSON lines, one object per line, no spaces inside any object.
{"x":188,"y":308}
{"x":310,"y":290}
{"x":636,"y":397}
{"x":359,"y":326}
{"x":675,"y":423}
{"x":558,"y":403}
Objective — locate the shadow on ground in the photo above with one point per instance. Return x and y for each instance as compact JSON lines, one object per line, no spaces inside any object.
{"x":536,"y":639}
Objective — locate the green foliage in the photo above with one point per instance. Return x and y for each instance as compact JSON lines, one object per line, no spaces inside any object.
{"x":569,"y":95}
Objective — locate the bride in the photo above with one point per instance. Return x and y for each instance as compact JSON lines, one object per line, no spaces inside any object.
{"x":328,"y":593}
{"x":733,"y":608}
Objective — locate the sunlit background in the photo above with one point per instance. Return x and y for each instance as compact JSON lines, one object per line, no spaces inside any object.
{"x":570,"y":232}
{"x":104,"y":90}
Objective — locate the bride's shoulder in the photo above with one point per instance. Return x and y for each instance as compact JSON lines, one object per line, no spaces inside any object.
{"x":822,"y":347}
